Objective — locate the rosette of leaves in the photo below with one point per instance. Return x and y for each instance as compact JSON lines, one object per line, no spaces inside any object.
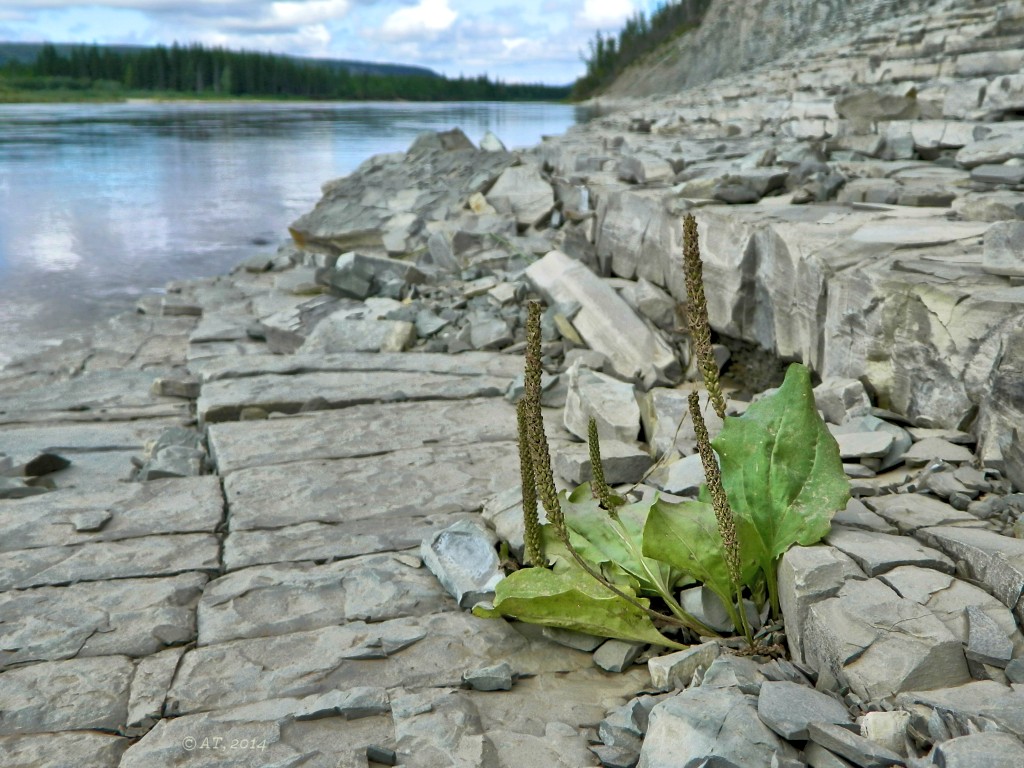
{"x":776,"y":480}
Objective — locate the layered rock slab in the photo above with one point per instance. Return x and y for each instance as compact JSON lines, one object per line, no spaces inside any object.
{"x":282,"y":598}
{"x":365,"y":430}
{"x":131,"y":617}
{"x":413,"y":652}
{"x":225,"y":400}
{"x":879,"y":644}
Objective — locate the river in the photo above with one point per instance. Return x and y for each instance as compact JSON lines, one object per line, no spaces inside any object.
{"x":100,"y":204}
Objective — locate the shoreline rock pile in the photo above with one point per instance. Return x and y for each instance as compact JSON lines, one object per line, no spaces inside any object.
{"x":307,"y":433}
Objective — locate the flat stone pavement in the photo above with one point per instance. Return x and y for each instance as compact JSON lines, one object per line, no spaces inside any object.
{"x":275,"y":613}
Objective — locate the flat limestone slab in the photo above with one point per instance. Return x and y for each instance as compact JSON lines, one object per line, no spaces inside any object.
{"x":995,"y":560}
{"x":879,"y":644}
{"x":877,"y":553}
{"x":278,"y":599}
{"x":364,"y":430}
{"x":416,"y":482}
{"x":464,"y":364}
{"x":327,"y":541}
{"x":77,"y":694}
{"x":243,"y":738}
{"x":82,"y":438}
{"x":95,"y":396}
{"x":124,"y":511}
{"x":415,"y":652}
{"x":146,"y":556}
{"x":130,"y":617}
{"x":95,"y":750}
{"x":224,"y":400}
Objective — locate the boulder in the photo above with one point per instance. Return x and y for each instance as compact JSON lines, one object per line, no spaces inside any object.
{"x":869,"y":638}
{"x":523,"y":193}
{"x":1004,"y":249}
{"x":605,"y":321}
{"x":608,"y":401}
{"x":707,"y":723}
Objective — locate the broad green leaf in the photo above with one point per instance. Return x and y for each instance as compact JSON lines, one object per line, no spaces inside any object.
{"x":572,"y":600}
{"x":686,"y":536}
{"x":781,"y":470}
{"x":619,"y":542}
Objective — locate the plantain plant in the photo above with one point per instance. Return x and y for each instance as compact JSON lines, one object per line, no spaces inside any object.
{"x":774,"y":479}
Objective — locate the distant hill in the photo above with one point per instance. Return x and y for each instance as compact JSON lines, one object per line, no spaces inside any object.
{"x":26,"y":53}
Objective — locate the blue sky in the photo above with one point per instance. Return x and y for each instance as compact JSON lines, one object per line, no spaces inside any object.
{"x":516,"y":40}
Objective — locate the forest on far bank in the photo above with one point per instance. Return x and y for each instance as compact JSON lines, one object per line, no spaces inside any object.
{"x":86,"y":72}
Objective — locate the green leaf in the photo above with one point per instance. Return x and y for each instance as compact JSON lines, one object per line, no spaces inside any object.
{"x":686,"y":536}
{"x":605,"y":540}
{"x":572,"y":599}
{"x":781,"y":471}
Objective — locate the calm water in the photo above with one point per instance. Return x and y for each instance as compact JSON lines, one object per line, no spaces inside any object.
{"x":100,"y":204}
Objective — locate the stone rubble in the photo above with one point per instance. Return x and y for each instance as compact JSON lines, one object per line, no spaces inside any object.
{"x":242,"y":525}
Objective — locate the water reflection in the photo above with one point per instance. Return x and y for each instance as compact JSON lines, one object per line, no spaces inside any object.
{"x":103,"y":202}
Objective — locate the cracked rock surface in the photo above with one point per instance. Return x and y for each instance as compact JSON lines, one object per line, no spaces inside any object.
{"x":228,"y":521}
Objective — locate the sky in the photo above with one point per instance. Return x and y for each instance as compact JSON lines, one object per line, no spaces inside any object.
{"x":514,"y":40}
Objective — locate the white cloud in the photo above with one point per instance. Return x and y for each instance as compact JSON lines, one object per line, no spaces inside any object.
{"x":428,"y":16}
{"x":311,"y":12}
{"x":605,"y":14}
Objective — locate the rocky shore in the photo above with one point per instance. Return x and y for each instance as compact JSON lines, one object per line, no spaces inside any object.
{"x":242,"y":525}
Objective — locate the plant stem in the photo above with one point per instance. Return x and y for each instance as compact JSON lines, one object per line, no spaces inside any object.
{"x":697,"y":314}
{"x":531,"y":525}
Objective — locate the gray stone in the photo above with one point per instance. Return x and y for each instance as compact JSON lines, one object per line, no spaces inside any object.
{"x":132,"y":617}
{"x":992,"y":151}
{"x":889,"y":729}
{"x":675,"y":670}
{"x":488,"y":331}
{"x":738,"y":672}
{"x":463,"y":559}
{"x":912,"y":511}
{"x":877,"y":553}
{"x":946,"y":596}
{"x":806,"y":576}
{"x":998,"y":174}
{"x":146,"y":556}
{"x":856,"y":515}
{"x":996,"y":561}
{"x":665,"y":415}
{"x":710,"y":723}
{"x":224,"y":400}
{"x":841,"y":399}
{"x":787,"y":708}
{"x":855,"y":748}
{"x":1003,"y":249}
{"x":153,"y":676}
{"x":859,"y":445}
{"x":878,"y":644}
{"x":443,"y":479}
{"x":653,"y":303}
{"x":979,"y":750}
{"x":617,"y":655}
{"x":644,"y":169}
{"x":62,"y":750}
{"x":126,"y":511}
{"x":683,"y":476}
{"x":986,"y":640}
{"x":872,"y":104}
{"x":16,"y":488}
{"x":870,"y":423}
{"x":609,"y":401}
{"x":491,"y":143}
{"x":605,"y":321}
{"x":990,"y":206}
{"x":570,"y":638}
{"x":246,"y":603}
{"x":985,"y":703}
{"x":522,"y":192}
{"x":622,"y":462}
{"x":819,"y":757}
{"x":936,"y":449}
{"x":494,"y":678}
{"x":77,"y":694}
